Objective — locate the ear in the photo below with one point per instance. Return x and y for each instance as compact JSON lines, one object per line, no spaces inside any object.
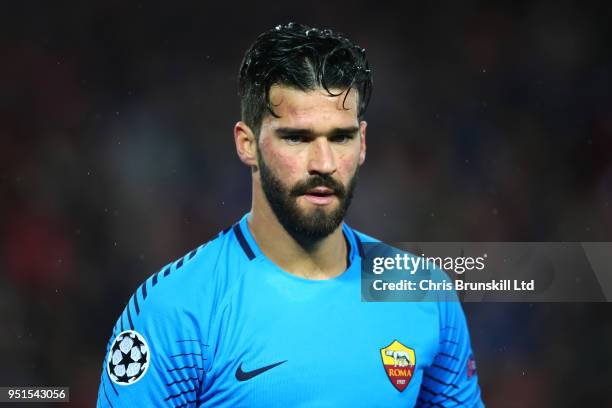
{"x":246,"y":144}
{"x":362,"y":147}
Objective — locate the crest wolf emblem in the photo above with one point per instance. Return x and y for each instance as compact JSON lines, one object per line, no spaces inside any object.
{"x":399,"y":362}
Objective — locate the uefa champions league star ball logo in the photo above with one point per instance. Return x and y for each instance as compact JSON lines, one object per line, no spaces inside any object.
{"x":128,"y":358}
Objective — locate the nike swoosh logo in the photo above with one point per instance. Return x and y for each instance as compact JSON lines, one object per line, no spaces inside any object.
{"x":247,"y":375}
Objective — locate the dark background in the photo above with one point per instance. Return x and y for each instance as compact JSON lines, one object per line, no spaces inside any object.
{"x":487,"y":123}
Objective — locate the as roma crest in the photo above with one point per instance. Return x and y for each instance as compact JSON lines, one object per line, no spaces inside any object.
{"x":399,"y":362}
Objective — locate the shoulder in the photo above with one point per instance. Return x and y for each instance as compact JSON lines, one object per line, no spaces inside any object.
{"x":363,"y":238}
{"x":196,"y":281}
{"x":396,"y":264}
{"x":359,"y":241}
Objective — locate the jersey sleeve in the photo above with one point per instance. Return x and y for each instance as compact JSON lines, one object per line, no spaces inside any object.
{"x":451,"y":380}
{"x":156,"y":355}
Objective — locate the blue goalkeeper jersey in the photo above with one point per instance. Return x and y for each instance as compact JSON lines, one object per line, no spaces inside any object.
{"x":225,"y":327}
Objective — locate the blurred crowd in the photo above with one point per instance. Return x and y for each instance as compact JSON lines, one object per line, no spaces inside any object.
{"x":487,"y":123}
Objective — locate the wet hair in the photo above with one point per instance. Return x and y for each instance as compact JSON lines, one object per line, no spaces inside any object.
{"x":303,"y":58}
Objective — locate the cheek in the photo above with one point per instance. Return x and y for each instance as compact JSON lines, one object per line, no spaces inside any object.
{"x":348,"y":163}
{"x":285,"y":165}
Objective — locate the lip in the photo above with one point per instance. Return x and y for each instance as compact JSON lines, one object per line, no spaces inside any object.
{"x":319,"y":199}
{"x":320,"y":191}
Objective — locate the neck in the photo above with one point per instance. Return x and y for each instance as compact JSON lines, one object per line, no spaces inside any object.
{"x":317,"y":260}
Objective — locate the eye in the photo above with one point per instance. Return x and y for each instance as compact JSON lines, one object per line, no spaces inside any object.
{"x":341,"y":138}
{"x":293,"y":139}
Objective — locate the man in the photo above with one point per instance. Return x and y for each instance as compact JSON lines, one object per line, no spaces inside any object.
{"x":269,"y":313}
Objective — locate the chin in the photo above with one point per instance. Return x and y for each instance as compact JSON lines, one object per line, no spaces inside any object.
{"x":309,"y":209}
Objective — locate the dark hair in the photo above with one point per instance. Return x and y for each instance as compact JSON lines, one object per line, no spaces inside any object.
{"x":302,"y":57}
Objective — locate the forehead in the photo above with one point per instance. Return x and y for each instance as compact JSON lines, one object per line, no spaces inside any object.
{"x":316,"y":109}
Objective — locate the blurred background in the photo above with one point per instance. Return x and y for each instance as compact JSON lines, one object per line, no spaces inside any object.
{"x":487,"y":123}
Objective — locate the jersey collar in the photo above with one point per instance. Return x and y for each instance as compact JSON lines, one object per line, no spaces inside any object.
{"x":252,"y":250}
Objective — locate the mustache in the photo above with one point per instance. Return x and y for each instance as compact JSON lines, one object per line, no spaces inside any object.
{"x":319,"y":180}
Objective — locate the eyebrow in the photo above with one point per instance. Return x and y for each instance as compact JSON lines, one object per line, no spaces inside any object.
{"x":289,"y":131}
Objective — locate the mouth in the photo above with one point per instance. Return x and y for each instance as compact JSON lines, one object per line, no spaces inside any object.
{"x":319,"y":195}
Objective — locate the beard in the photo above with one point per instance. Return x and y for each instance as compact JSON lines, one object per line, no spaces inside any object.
{"x":306,"y":227}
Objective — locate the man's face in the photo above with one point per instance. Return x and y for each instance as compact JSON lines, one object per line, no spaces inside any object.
{"x":308,"y":159}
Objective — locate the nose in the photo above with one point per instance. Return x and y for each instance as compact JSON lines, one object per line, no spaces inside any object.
{"x":321,"y":157}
